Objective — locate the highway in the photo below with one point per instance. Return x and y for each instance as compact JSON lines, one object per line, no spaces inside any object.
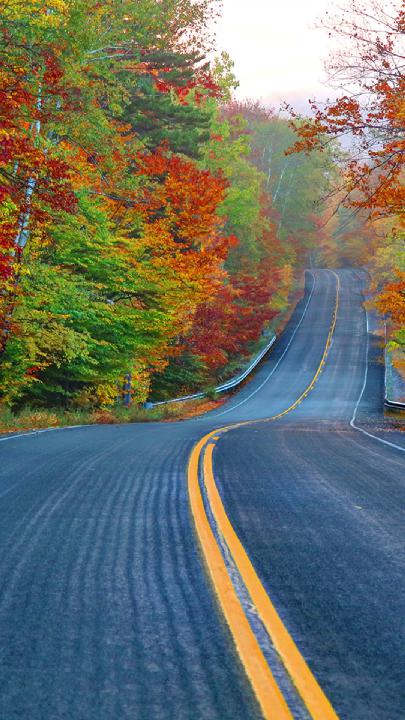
{"x":246,"y":564}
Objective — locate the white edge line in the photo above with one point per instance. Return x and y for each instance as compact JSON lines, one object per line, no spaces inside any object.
{"x":353,"y":420}
{"x":31,"y":433}
{"x":314,"y":278}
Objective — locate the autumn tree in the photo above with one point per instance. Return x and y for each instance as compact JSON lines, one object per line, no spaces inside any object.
{"x":139,"y":232}
{"x":94,"y":293}
{"x":369,"y":69}
{"x":368,"y":74}
{"x":258,"y":275}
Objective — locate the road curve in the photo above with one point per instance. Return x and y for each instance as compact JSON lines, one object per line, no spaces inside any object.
{"x":106,"y":608}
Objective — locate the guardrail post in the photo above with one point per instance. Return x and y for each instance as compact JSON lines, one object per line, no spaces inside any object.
{"x":128,"y":390}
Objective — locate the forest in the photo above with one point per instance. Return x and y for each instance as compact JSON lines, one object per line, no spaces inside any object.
{"x":154,"y":229}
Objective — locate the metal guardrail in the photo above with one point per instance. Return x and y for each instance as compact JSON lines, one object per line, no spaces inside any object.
{"x":388,"y":402}
{"x":394,"y":405}
{"x":229,"y":385}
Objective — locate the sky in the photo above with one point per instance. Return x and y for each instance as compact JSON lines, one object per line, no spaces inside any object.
{"x":278,"y":53}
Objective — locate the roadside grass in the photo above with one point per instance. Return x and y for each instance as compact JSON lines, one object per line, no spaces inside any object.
{"x":397,"y":418}
{"x":41,"y":418}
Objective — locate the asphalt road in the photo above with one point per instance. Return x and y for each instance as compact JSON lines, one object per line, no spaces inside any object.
{"x":106,"y":610}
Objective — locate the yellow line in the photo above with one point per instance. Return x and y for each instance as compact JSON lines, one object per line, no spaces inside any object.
{"x":314,"y":698}
{"x":263,"y":683}
{"x":321,"y":364}
{"x":268,"y":694}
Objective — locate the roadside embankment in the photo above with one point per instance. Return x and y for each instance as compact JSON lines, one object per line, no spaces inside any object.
{"x":394,"y":398}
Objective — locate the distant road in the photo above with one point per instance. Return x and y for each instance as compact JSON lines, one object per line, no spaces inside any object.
{"x":107,"y":603}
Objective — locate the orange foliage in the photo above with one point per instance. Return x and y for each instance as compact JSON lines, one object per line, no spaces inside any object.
{"x":374,"y":116}
{"x":392,"y":300}
{"x":179,"y":206}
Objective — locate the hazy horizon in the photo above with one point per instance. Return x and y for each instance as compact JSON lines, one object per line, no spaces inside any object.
{"x":277,"y":50}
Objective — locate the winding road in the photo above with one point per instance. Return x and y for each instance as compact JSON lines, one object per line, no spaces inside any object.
{"x":246,"y":564}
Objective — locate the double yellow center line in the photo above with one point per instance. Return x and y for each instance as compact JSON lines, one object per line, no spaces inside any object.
{"x":268,"y":694}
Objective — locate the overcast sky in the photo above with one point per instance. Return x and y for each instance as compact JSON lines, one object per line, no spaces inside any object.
{"x":277,"y":51}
